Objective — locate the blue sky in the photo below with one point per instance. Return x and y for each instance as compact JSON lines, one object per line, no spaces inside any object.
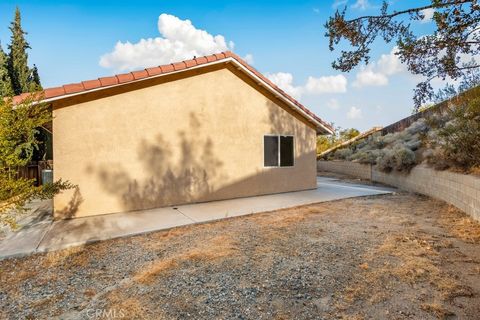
{"x":284,"y":39}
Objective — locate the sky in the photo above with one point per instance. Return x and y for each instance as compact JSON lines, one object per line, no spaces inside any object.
{"x":73,"y":41}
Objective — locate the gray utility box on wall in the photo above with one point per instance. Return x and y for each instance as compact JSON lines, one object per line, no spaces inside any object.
{"x":47,"y":176}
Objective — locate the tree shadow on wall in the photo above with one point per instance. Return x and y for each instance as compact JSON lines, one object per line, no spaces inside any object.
{"x":72,"y":206}
{"x":282,"y":123}
{"x":173,"y":177}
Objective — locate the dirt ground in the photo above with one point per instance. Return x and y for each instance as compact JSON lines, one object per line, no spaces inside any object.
{"x":398,"y":256}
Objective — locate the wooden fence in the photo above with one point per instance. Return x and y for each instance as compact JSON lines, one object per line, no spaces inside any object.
{"x":34,"y":170}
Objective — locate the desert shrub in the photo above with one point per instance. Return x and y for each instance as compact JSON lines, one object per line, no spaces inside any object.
{"x":361,"y":144}
{"x":376,"y":142}
{"x":436,"y":159}
{"x":404,"y":158}
{"x":343,"y":153}
{"x":458,"y":139}
{"x":386,"y":162}
{"x":413,"y":144}
{"x":399,"y":158}
{"x":367,"y":156}
{"x":419,"y":126}
{"x":390,"y":138}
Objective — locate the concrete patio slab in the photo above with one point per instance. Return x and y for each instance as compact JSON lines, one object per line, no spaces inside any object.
{"x":47,"y":235}
{"x":67,"y":233}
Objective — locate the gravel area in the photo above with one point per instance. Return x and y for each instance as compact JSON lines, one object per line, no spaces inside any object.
{"x":398,"y":256}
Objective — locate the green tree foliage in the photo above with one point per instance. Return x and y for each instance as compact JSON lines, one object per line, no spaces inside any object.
{"x":348,"y":134}
{"x":437,"y":55}
{"x":35,"y":79}
{"x":5,"y":82}
{"x":19,"y":127}
{"x":326,"y":142}
{"x":23,"y":78}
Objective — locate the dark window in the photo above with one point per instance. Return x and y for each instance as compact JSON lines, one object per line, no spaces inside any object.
{"x":286,"y":151}
{"x":278,"y":151}
{"x":270,"y":151}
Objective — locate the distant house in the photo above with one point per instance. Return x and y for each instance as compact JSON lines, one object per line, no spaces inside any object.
{"x":204,"y":129}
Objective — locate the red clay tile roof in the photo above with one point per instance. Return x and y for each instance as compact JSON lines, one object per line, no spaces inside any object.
{"x":85,"y":86}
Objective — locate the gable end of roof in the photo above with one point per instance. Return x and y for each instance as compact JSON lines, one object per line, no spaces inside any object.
{"x":65,"y":91}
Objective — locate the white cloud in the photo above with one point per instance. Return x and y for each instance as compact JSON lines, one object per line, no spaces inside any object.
{"x":284,"y":81}
{"x":377,"y":73}
{"x":367,"y":77}
{"x":390,"y":64}
{"x":179,"y":40}
{"x":328,"y":84}
{"x":333,"y":104}
{"x":314,"y":86}
{"x":249,"y":58}
{"x":354,"y":113}
{"x":361,"y":4}
{"x":427,"y":15}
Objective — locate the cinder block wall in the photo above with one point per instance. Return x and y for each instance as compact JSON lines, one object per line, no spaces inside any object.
{"x":460,"y":190}
{"x":353,"y":169}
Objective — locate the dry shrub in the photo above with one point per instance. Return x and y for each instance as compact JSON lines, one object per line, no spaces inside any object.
{"x":214,"y":248}
{"x":457,"y":132}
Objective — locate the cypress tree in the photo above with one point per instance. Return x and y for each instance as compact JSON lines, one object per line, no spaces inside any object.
{"x":5,"y":82}
{"x":35,"y":79}
{"x":19,"y":72}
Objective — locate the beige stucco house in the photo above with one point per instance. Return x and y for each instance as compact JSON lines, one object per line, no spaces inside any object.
{"x":205,"y":129}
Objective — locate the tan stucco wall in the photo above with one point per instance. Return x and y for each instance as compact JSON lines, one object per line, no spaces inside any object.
{"x":188,"y":139}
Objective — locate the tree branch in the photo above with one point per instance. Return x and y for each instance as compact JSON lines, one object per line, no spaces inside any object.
{"x":397,"y":13}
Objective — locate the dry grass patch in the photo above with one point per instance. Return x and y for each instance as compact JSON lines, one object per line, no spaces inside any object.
{"x":157,"y":240}
{"x":71,"y":257}
{"x":125,"y":308}
{"x":418,"y":257}
{"x":437,"y":309}
{"x":461,"y":225}
{"x":214,"y":248}
{"x":288,"y":217}
{"x":410,"y":259}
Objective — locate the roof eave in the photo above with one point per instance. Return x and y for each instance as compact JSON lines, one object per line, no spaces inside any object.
{"x":321,"y":127}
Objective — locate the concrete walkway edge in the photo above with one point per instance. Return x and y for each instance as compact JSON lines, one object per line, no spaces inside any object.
{"x":62,"y":234}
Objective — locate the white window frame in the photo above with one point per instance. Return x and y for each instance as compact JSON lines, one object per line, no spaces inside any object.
{"x":279,"y":150}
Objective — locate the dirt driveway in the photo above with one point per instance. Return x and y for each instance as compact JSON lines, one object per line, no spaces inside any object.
{"x":397,"y":256}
